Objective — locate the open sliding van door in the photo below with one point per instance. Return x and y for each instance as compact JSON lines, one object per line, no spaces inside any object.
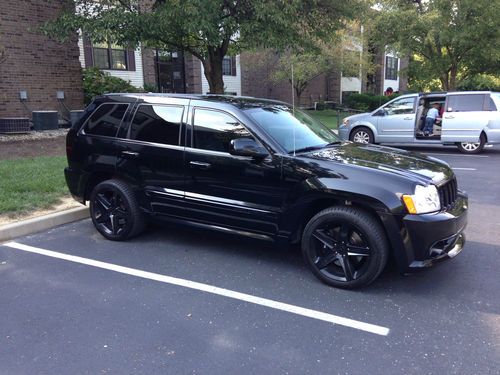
{"x":464,"y":119}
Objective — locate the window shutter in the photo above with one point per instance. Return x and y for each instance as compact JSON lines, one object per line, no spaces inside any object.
{"x":233,"y":65}
{"x":131,"y":60}
{"x":88,"y":53}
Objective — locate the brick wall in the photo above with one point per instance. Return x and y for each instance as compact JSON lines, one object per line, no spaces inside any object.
{"x":257,"y":67}
{"x":33,"y":62}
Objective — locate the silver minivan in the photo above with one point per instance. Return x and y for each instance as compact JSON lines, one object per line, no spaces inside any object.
{"x":469,"y":120}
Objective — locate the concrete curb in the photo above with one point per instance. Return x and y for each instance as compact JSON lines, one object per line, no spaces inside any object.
{"x":37,"y":224}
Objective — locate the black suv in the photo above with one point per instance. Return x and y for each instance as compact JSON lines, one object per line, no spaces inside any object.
{"x":263,"y":169}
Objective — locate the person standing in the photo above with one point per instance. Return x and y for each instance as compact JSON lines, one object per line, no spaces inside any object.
{"x":430,"y":119}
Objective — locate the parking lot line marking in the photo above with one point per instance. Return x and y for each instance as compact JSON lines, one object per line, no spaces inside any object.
{"x":461,"y":155}
{"x":463,"y":169}
{"x":314,"y":314}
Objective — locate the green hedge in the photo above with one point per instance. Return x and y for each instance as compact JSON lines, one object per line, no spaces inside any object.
{"x":96,"y":82}
{"x":367,"y":102}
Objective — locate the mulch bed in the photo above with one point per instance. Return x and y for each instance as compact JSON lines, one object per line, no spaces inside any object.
{"x":33,"y":144}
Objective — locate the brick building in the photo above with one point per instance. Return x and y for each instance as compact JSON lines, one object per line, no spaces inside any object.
{"x":35,"y":64}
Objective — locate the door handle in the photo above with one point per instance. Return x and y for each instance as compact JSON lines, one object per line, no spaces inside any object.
{"x":408,"y":118}
{"x":450,"y":117}
{"x":200,"y":164}
{"x":130,"y":154}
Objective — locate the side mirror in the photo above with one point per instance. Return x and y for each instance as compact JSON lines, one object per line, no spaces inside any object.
{"x":380,"y":112}
{"x":247,"y":147}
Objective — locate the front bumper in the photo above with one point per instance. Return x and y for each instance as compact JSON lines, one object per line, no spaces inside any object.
{"x":344,"y":133}
{"x":424,"y":240}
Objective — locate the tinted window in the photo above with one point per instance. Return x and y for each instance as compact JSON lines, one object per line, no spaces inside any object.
{"x":400,"y":106}
{"x":106,"y":120}
{"x":159,"y":124}
{"x":214,"y":130}
{"x":465,"y":103}
{"x":491,"y":105}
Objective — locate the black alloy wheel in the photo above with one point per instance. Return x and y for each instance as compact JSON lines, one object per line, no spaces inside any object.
{"x":345,"y":247}
{"x":115,"y":212}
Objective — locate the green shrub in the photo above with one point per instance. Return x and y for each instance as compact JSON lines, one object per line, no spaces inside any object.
{"x":96,"y":82}
{"x":367,"y":102}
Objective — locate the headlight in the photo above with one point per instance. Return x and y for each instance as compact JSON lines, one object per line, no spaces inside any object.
{"x":424,"y":200}
{"x":345,"y":122}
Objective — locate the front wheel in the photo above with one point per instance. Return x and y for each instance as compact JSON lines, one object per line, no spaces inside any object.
{"x":345,"y":247}
{"x":115,"y":211}
{"x":362,"y":135}
{"x":472,"y":147}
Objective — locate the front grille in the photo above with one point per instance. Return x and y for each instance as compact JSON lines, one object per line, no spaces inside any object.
{"x":448,"y":193}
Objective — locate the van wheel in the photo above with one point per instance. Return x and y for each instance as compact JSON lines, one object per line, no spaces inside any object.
{"x":115,"y":212}
{"x":361,"y":135}
{"x":345,"y":247}
{"x":472,"y":147}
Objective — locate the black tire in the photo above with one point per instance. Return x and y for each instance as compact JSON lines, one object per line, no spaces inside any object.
{"x":345,"y":247}
{"x":362,"y":134}
{"x":115,"y":212}
{"x":472,"y":147}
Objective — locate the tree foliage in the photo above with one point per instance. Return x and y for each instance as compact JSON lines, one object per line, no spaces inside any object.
{"x":342,"y":52}
{"x":97,"y":82}
{"x":208,"y":29}
{"x":450,"y":39}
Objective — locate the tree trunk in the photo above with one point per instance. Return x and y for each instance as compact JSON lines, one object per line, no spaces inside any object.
{"x":213,"y":70}
{"x":452,"y":85}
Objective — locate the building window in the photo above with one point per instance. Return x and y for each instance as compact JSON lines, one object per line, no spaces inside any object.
{"x":110,"y":56}
{"x":391,"y":67}
{"x":229,"y":66}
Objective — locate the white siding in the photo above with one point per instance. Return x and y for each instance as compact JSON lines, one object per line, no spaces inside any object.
{"x":394,"y":83}
{"x":136,"y":77}
{"x":231,"y":83}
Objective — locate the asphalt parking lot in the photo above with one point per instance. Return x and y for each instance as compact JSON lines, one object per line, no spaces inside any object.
{"x":184,"y":301}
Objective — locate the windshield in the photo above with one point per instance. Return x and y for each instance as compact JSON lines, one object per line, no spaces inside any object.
{"x":293,"y":130}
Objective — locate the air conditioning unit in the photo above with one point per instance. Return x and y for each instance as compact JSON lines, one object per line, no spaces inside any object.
{"x":14,"y":125}
{"x":45,"y":120}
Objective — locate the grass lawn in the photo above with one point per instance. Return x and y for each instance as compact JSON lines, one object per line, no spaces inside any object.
{"x":328,"y":117}
{"x":31,"y":183}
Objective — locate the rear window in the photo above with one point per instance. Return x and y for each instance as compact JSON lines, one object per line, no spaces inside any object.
{"x":158,"y":124}
{"x":465,"y":103}
{"x":106,"y":120}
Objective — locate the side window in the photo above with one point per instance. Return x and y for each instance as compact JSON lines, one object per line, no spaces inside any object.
{"x":157,"y":123}
{"x":214,"y":130}
{"x":106,"y":120}
{"x":400,"y":106}
{"x":465,"y":103}
{"x":491,"y":105}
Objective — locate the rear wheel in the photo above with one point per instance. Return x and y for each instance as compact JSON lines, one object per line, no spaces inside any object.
{"x":472,"y":147}
{"x":345,"y":247}
{"x":362,"y":135}
{"x":115,"y":212}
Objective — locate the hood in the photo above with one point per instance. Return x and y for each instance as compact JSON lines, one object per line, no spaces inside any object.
{"x":408,"y":164}
{"x":359,"y":116}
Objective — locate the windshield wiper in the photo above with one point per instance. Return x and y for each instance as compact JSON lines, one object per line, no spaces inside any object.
{"x":333,"y":143}
{"x":305,"y":149}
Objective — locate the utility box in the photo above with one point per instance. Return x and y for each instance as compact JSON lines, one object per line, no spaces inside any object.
{"x":75,"y":116}
{"x":45,"y":120}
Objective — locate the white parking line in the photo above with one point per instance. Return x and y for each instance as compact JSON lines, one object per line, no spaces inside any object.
{"x":356,"y":324}
{"x":463,"y":169}
{"x":459,"y":155}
